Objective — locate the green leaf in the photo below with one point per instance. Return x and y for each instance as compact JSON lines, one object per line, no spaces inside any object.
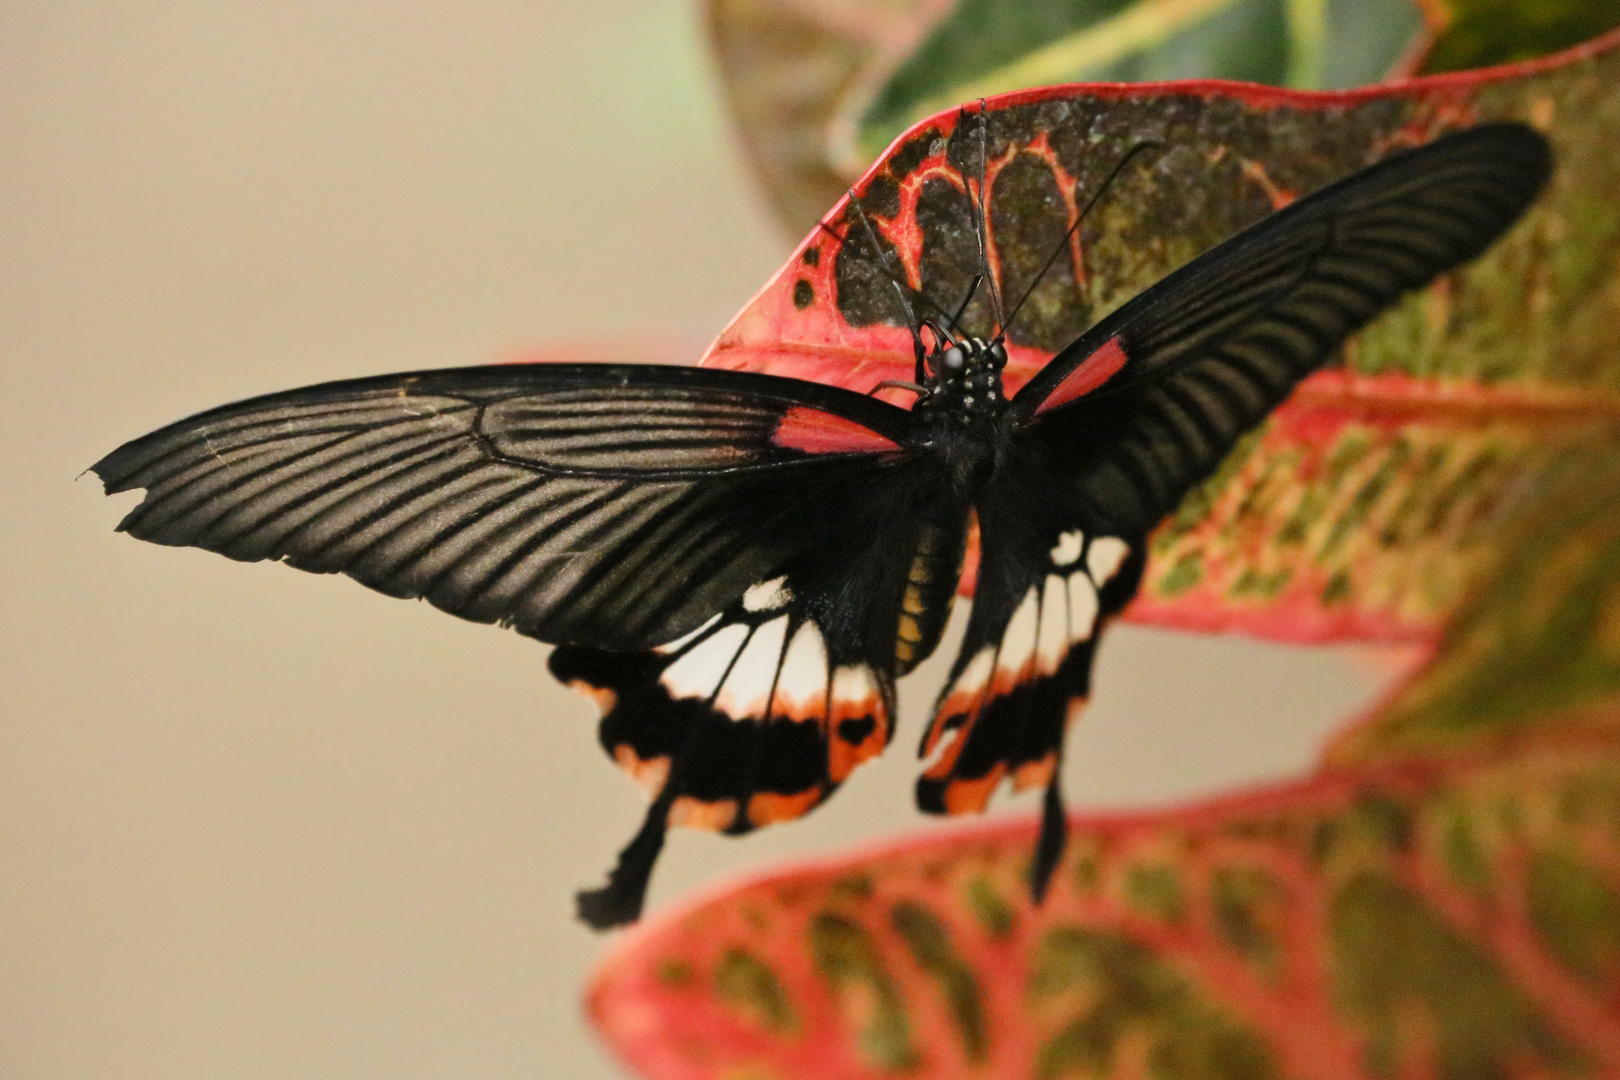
{"x":986,"y":47}
{"x":1479,"y":33}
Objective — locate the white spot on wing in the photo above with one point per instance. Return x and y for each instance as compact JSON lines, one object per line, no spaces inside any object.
{"x":748,"y":688}
{"x":1067,"y":552}
{"x":947,"y":739}
{"x":1103,"y":560}
{"x":686,"y":639}
{"x":853,"y":684}
{"x":1052,"y":644}
{"x":1082,"y":607}
{"x":977,"y":673}
{"x":698,"y":673}
{"x":1019,"y":641}
{"x":767,"y":595}
{"x":801,"y":689}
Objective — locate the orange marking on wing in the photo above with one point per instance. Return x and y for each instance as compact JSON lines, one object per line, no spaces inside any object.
{"x":1004,"y":682}
{"x":1093,"y":371}
{"x":1034,"y":773}
{"x":958,"y":703}
{"x":843,"y":756}
{"x":817,"y":432}
{"x":941,"y":768}
{"x":691,"y":813}
{"x":649,"y":774}
{"x":769,"y":807}
{"x":971,"y":796}
{"x":605,"y":699}
{"x":968,"y":579}
{"x":798,"y":712}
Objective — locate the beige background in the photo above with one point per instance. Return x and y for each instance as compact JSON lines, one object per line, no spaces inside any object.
{"x":255,"y":823}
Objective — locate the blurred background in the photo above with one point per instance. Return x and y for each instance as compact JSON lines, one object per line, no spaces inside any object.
{"x":255,"y":823}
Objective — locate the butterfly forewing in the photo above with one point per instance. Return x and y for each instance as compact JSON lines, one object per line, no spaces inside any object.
{"x":1146,"y":403}
{"x":613,"y":506}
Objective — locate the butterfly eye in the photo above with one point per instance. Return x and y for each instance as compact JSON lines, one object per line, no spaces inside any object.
{"x":952,"y":359}
{"x":998,"y":354}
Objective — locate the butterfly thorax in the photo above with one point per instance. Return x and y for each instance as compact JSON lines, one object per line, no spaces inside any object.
{"x":961,"y":411}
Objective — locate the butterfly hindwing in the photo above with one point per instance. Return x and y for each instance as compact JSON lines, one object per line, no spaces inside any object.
{"x":1050,"y":574}
{"x":755,"y":718}
{"x":762,"y":712}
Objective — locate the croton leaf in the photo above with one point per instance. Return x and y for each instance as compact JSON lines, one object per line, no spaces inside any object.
{"x":1366,"y":506}
{"x":1440,"y":899}
{"x":1384,"y":922}
{"x":987,"y":47}
{"x":1476,"y":33}
{"x":819,"y":87}
{"x":1441,"y":896}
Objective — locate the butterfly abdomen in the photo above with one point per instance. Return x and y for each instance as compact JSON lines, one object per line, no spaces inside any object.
{"x":925,"y":605}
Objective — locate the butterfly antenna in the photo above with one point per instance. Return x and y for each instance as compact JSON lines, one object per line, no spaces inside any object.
{"x":901,"y":289}
{"x":978,"y":208}
{"x":1067,"y":236}
{"x":917,"y":349}
{"x":961,"y":309}
{"x":883,"y":256}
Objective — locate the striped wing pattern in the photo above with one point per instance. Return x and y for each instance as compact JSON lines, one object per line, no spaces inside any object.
{"x":1024,"y":673}
{"x":1209,"y":351}
{"x":738,"y":565}
{"x":752,"y":719}
{"x":610,"y":506}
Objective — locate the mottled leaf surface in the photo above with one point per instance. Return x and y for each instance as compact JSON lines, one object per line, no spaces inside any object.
{"x":1392,"y":922}
{"x":817,"y":88}
{"x":1440,"y":899}
{"x":1366,"y":507}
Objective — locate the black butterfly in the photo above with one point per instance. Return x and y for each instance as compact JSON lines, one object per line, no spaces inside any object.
{"x":738,"y":566}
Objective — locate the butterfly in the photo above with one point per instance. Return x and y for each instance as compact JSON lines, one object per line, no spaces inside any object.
{"x":738,"y":566}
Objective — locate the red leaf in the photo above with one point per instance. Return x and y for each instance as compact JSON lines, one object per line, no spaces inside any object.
{"x":1307,"y":532}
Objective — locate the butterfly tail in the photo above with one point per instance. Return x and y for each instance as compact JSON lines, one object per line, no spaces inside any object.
{"x":1053,"y":838}
{"x":619,"y":902}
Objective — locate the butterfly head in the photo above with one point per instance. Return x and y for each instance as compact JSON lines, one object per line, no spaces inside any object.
{"x":964,"y":377}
